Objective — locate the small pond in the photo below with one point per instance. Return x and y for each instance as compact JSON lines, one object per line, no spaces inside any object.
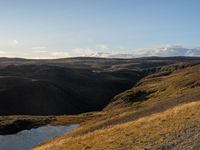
{"x":29,"y":138}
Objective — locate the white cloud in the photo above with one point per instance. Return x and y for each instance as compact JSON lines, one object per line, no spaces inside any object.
{"x":60,"y":54}
{"x":2,"y":52}
{"x":104,"y":47}
{"x":15,"y":41}
{"x":41,"y":58}
{"x":78,"y":50}
{"x":89,"y":51}
{"x":97,"y":54}
{"x":39,"y":47}
{"x":82,"y":52}
{"x":168,"y":50}
{"x":162,"y":51}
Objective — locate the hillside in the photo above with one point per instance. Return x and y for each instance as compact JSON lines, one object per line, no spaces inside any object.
{"x":73,"y":85}
{"x":160,"y":112}
{"x":159,"y":87}
{"x":53,"y":90}
{"x":176,"y":128}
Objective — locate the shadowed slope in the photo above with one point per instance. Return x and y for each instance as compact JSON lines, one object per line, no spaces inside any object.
{"x":40,"y":97}
{"x":47,"y":90}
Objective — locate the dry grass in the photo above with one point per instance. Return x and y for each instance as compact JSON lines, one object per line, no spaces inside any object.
{"x":155,"y":115}
{"x":156,"y":88}
{"x":67,"y":120}
{"x":135,"y":134}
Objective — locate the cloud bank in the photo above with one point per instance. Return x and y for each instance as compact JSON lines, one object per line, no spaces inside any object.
{"x":161,"y":51}
{"x":104,"y":47}
{"x":60,"y":54}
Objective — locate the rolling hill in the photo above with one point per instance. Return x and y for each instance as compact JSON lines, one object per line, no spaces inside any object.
{"x":107,"y":64}
{"x":53,"y":90}
{"x":74,"y":85}
{"x":160,"y":112}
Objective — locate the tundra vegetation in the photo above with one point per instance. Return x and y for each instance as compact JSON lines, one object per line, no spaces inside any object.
{"x":159,"y":111}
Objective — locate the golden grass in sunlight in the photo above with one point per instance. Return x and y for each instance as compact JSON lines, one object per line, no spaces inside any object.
{"x":159,"y":87}
{"x":135,"y":134}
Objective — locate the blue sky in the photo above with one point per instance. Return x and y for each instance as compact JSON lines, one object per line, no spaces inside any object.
{"x":99,"y":28}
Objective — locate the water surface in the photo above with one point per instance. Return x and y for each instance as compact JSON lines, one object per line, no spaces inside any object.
{"x":29,"y":138}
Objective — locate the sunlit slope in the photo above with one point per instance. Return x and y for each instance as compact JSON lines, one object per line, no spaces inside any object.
{"x":161,"y":111}
{"x":159,"y":87}
{"x":176,"y":128}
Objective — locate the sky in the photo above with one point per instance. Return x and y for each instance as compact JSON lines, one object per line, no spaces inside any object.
{"x":48,"y":29}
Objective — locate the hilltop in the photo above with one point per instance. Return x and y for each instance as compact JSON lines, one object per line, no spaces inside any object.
{"x":109,"y":64}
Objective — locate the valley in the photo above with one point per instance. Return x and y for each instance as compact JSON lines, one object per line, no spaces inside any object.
{"x":147,"y":103}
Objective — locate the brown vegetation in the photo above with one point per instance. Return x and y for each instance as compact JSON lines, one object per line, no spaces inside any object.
{"x":151,"y":132}
{"x":100,"y":63}
{"x":157,"y":113}
{"x":74,"y":85}
{"x":50,"y":90}
{"x":160,"y":112}
{"x":159,"y":87}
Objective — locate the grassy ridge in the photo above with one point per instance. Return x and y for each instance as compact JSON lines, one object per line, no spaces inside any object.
{"x":159,"y":87}
{"x":159,"y":112}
